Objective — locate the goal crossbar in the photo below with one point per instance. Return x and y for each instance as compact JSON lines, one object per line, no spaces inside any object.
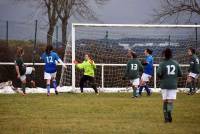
{"x":78,"y":25}
{"x":136,"y":25}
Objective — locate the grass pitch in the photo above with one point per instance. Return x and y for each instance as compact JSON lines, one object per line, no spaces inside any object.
{"x":107,"y":113}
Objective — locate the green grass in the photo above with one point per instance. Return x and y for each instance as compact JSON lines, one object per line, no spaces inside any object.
{"x":90,"y":114}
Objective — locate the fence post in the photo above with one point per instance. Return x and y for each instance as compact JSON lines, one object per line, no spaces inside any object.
{"x":102,"y":76}
{"x":196,"y":32}
{"x":155,"y":78}
{"x":56,"y":36}
{"x":7,"y":32}
{"x":35,"y":42}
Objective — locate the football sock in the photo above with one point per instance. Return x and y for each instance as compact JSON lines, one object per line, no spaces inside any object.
{"x":169,"y":107}
{"x":140,"y":89}
{"x":134,"y":91}
{"x":23,"y":87}
{"x":48,"y":88}
{"x":165,"y":111}
{"x":55,"y":85}
{"x":194,"y":85}
{"x":147,"y":89}
{"x":137,"y":91}
{"x":169,"y":111}
{"x":190,"y":86}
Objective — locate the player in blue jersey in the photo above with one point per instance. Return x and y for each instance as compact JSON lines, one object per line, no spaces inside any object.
{"x":50,"y":59}
{"x":148,"y":72}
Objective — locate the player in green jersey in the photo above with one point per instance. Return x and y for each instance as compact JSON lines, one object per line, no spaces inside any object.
{"x":22,"y":71}
{"x":89,"y":67}
{"x":194,"y":71}
{"x":168,"y":71}
{"x":133,"y":68}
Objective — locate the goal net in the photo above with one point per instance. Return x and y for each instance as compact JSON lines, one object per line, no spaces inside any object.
{"x":108,"y":45}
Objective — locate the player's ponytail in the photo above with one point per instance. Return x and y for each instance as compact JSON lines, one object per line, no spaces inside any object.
{"x":134,"y":55}
{"x":149,"y":51}
{"x":48,"y":50}
{"x":192,"y":50}
{"x":167,"y":53}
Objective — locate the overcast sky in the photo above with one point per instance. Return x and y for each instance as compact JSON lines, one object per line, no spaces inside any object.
{"x":114,"y":11}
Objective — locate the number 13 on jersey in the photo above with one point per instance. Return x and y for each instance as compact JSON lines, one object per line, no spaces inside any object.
{"x":134,"y":66}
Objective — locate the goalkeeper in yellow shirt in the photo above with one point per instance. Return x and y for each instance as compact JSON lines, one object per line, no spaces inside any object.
{"x":88,"y":66}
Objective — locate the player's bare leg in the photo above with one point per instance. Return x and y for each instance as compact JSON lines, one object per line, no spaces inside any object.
{"x":33,"y":84}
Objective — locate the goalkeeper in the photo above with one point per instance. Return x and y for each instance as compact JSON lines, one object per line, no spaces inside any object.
{"x":132,"y":72}
{"x":89,"y":67}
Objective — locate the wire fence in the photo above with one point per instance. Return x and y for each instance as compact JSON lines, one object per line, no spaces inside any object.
{"x":24,"y":31}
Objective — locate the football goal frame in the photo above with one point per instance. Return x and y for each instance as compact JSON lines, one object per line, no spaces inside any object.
{"x":73,"y":45}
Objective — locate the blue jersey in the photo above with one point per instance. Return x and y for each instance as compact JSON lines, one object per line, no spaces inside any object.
{"x":50,"y":62}
{"x":148,"y":69}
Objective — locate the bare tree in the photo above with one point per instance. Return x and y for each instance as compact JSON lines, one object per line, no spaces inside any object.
{"x":51,"y":6}
{"x":77,"y":8}
{"x":48,"y":7}
{"x":63,"y":9}
{"x":178,"y":10}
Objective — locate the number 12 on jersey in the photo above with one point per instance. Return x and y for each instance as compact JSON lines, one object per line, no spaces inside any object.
{"x":49,"y":59}
{"x":171,"y":69}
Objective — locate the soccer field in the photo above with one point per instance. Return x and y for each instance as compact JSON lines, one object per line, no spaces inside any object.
{"x":107,"y":113}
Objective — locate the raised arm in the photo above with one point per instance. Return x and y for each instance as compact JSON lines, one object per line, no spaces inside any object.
{"x":62,"y":63}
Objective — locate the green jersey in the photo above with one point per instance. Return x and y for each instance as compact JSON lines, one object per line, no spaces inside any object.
{"x":133,"y":68}
{"x":169,"y":71}
{"x":194,"y":64}
{"x":87,"y":67}
{"x":20,"y":63}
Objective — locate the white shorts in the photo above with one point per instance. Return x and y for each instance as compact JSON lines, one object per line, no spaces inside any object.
{"x":168,"y":94}
{"x":135,"y":82}
{"x":146,"y":77}
{"x":48,"y":76}
{"x":29,"y":70}
{"x":193,"y":75}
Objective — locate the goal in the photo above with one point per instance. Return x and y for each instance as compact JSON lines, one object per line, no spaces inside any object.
{"x":108,"y":45}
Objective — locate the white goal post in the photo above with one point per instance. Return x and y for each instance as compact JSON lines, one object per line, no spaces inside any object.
{"x":73,"y":44}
